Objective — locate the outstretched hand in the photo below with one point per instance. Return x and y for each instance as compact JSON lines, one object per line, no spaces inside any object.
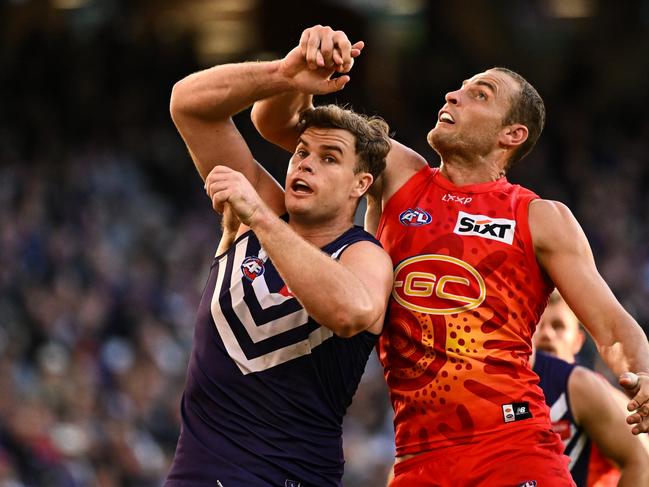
{"x":637,"y":387}
{"x":321,"y":53}
{"x":229,"y":188}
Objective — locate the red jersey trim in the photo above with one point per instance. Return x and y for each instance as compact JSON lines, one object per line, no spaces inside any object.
{"x":523,"y":221}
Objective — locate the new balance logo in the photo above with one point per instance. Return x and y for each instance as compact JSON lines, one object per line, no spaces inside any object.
{"x":500,"y":229}
{"x":516,"y":411}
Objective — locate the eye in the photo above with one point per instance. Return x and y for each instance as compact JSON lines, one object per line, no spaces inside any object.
{"x":301,"y":153}
{"x":329,"y":159}
{"x":481,"y":95}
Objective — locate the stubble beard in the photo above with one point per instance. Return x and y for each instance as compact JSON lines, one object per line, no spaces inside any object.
{"x":455,"y":146}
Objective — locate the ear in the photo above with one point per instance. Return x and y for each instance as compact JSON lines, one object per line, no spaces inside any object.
{"x":363,"y":182}
{"x":579,"y":341}
{"x":513,"y":136}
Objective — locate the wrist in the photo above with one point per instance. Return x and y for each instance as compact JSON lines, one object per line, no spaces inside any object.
{"x":284,"y":74}
{"x":262,"y":219}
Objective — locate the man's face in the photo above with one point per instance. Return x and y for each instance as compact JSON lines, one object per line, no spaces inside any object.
{"x":470,"y":121}
{"x":558,"y":332}
{"x":320,"y":181}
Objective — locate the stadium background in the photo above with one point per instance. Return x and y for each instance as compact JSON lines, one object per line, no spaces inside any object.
{"x":106,"y":236}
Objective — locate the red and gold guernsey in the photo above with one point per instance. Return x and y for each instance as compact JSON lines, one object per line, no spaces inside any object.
{"x":467,"y":295}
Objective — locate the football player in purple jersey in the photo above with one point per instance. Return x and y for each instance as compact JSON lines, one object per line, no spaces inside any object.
{"x":296,"y":296}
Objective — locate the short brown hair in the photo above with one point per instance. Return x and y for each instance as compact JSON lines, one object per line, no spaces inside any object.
{"x":527,"y":108}
{"x":371,"y":134}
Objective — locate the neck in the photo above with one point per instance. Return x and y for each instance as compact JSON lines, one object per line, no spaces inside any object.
{"x":319,"y":233}
{"x":462,"y":173}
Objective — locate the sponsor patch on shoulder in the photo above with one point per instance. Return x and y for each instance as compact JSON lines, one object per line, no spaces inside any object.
{"x":516,"y":411}
{"x":415,"y":218}
{"x":527,"y":483}
{"x":500,"y":229}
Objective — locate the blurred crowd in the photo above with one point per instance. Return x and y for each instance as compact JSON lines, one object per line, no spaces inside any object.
{"x":106,"y":241}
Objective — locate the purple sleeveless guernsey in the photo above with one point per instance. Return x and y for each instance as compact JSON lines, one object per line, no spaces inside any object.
{"x":267,"y":387}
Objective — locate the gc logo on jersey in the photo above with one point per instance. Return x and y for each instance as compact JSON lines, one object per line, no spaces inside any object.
{"x":415,"y":218}
{"x":252,"y":267}
{"x":500,"y":229}
{"x":438,"y":284}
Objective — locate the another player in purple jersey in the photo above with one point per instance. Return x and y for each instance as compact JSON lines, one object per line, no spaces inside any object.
{"x":296,"y":295}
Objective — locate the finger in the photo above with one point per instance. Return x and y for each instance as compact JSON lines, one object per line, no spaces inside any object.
{"x":319,"y":59}
{"x":629,"y":380}
{"x":640,"y":424}
{"x":217,"y":184}
{"x":304,"y":38}
{"x":327,"y":50}
{"x":312,"y":47}
{"x":334,"y":84}
{"x":357,"y":49}
{"x":345,"y":47}
{"x":640,"y":392}
{"x":337,"y":57}
{"x":217,"y":202}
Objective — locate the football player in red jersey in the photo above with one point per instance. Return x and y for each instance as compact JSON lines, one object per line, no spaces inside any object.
{"x":475,"y":260}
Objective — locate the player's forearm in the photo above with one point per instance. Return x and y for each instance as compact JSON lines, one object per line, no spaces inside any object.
{"x":627,"y":348}
{"x":276,"y":117}
{"x":222,"y":91}
{"x":329,"y":292}
{"x":634,"y":474}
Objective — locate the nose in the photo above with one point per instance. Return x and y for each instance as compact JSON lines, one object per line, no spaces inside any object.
{"x":306,"y":165}
{"x":453,"y":97}
{"x":543,"y":331}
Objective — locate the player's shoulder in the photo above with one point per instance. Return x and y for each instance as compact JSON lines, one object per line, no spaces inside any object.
{"x":543,"y":208}
{"x":402,"y":163}
{"x":552,"y":224}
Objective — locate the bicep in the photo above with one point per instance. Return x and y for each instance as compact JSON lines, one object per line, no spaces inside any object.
{"x":372,"y":266}
{"x":564,"y":253}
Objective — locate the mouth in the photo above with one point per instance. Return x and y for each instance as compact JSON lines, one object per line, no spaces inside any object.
{"x":445,"y":117}
{"x":300,"y":186}
{"x":549,"y":349}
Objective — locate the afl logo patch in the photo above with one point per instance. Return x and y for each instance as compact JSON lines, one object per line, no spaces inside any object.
{"x":252,"y":267}
{"x":415,"y":218}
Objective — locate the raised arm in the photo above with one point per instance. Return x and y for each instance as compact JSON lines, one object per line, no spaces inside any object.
{"x":597,"y":410}
{"x":320,"y":53}
{"x":323,"y":52}
{"x":564,"y":253}
{"x":203,"y":103}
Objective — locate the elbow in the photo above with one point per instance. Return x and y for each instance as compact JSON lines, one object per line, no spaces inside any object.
{"x":178,"y":105}
{"x":350,"y":321}
{"x":258,"y":119}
